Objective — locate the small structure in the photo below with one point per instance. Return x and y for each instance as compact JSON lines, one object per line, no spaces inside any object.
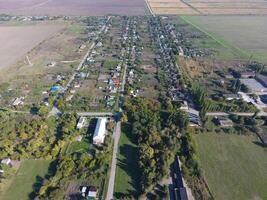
{"x":250,"y":74}
{"x":184,"y":106}
{"x":225,"y":122}
{"x":100,"y":131}
{"x":92,"y":193}
{"x":18,"y":101}
{"x":6,"y":161}
{"x":230,"y":97}
{"x":81,"y":123}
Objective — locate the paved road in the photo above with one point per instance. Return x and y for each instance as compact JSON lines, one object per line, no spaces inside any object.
{"x":111,"y":183}
{"x":150,"y":9}
{"x":95,"y":114}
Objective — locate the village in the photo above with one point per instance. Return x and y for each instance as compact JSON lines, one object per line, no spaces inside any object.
{"x":123,"y":61}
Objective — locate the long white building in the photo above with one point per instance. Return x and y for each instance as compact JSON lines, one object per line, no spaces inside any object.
{"x":100,"y":131}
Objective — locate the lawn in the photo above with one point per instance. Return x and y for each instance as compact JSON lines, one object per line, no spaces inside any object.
{"x":29,"y":173}
{"x":234,"y":166}
{"x":127,"y":170}
{"x":244,"y":36}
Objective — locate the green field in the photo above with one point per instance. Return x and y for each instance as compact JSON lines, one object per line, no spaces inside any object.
{"x":29,"y":173}
{"x":243,"y":36}
{"x":234,"y":166}
{"x":127,"y":170}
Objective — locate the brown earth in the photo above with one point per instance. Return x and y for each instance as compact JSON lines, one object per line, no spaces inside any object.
{"x":73,"y":7}
{"x":16,"y":41}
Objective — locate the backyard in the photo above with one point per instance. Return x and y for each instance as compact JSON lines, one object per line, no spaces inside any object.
{"x":234,"y":166}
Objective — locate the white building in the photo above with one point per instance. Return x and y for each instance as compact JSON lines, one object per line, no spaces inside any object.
{"x":100,"y":131}
{"x":81,"y":123}
{"x":6,"y":161}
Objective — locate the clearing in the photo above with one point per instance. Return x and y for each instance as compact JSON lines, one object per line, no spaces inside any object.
{"x":234,"y":166}
{"x":31,"y":172}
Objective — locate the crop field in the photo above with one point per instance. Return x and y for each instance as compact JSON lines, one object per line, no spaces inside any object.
{"x":234,"y":166}
{"x":18,"y":40}
{"x":73,"y":7}
{"x":243,"y":35}
{"x":217,"y":7}
{"x":29,"y":173}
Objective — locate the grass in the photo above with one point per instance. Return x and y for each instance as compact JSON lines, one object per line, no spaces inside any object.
{"x":127,"y":175}
{"x":234,"y":166}
{"x":29,"y":173}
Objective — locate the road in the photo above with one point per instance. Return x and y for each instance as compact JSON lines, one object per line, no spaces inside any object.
{"x":124,"y":77}
{"x":150,"y":9}
{"x":111,"y":183}
{"x":95,"y":114}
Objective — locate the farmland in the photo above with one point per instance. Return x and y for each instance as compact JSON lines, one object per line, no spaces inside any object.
{"x":22,"y":39}
{"x":217,"y":7}
{"x":233,"y":165}
{"x":243,"y":35}
{"x":73,"y":7}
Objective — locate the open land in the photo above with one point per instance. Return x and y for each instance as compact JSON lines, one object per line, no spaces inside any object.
{"x":233,"y":165}
{"x":244,"y":35}
{"x":72,"y":7}
{"x":21,"y":40}
{"x":29,"y":173}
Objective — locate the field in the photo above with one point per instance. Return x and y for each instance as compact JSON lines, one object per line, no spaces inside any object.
{"x":29,"y":173}
{"x":73,"y":7}
{"x":217,"y":7}
{"x":22,"y":39}
{"x":234,"y":166}
{"x":126,"y":172}
{"x":245,"y":36}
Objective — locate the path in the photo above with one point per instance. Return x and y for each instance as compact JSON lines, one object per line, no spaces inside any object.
{"x":111,"y":183}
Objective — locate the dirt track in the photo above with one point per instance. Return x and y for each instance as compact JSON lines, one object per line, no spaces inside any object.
{"x":73,"y":7}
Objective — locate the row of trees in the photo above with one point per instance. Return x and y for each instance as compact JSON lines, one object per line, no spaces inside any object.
{"x":156,"y":134}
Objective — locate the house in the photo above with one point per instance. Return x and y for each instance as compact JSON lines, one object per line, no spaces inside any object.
{"x":18,"y":101}
{"x":184,"y":106}
{"x":83,"y":191}
{"x":254,"y":85}
{"x":92,"y":193}
{"x":250,"y":74}
{"x":225,"y":122}
{"x":81,"y":123}
{"x":230,"y":97}
{"x":6,"y":161}
{"x":100,"y":131}
{"x":262,"y":79}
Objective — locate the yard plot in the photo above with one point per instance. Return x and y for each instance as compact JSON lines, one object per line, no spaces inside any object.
{"x":73,"y":7}
{"x":243,"y":35}
{"x":127,"y":170}
{"x":234,"y":166}
{"x":46,"y":59}
{"x":18,"y":40}
{"x":31,"y":172}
